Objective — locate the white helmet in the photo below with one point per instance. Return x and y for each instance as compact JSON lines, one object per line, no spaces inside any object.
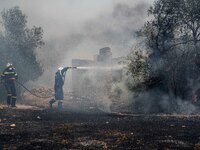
{"x":60,"y":68}
{"x":8,"y":65}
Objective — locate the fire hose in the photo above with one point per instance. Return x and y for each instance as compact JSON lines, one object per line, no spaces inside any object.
{"x":32,"y":92}
{"x":36,"y":94}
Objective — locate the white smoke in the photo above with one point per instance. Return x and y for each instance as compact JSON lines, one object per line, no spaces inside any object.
{"x":78,"y":29}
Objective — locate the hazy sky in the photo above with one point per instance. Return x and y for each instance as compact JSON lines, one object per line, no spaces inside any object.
{"x":79,"y":28}
{"x":59,"y":14}
{"x":61,"y":17}
{"x":84,"y":24}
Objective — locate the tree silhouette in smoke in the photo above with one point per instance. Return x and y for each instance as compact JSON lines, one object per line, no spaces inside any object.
{"x":173,"y":42}
{"x":18,"y":44}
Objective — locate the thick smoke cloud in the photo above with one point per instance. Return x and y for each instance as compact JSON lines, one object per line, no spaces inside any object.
{"x":78,"y":29}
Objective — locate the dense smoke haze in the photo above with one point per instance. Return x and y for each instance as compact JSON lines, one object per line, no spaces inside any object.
{"x":78,"y":29}
{"x":99,"y":74}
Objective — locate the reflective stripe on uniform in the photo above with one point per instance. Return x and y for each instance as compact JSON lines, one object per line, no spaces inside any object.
{"x":14,"y":96}
{"x":9,"y":73}
{"x":9,"y":94}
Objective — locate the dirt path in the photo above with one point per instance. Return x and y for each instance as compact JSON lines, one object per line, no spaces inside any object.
{"x":33,"y":128}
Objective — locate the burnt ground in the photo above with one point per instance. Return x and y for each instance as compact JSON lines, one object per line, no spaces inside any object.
{"x":50,"y":129}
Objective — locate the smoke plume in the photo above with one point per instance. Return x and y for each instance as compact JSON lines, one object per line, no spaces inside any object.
{"x":78,"y":29}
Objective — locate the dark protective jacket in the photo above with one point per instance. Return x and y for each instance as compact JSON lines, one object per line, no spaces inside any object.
{"x":9,"y":74}
{"x":59,"y":82}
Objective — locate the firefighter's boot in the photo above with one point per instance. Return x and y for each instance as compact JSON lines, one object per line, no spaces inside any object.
{"x":60,"y":105}
{"x":9,"y":99}
{"x":51,"y":102}
{"x":13,"y":103}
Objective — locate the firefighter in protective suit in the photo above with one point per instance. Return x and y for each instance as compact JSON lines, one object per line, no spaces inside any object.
{"x":8,"y":77}
{"x":58,"y":87}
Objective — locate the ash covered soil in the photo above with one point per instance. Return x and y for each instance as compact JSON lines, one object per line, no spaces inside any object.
{"x":33,"y":128}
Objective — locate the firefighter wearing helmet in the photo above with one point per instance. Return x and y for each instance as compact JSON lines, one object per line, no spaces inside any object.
{"x":58,"y":86}
{"x":8,"y":77}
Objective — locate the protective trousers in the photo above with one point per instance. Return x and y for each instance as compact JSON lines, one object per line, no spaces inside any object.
{"x":51,"y":102}
{"x":11,"y":93}
{"x":60,"y":104}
